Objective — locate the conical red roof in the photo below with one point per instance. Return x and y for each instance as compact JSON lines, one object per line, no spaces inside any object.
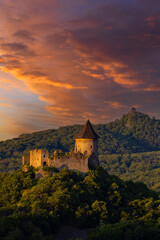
{"x":87,"y":132}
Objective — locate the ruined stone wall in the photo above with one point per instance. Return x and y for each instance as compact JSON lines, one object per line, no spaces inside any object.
{"x":39,"y":158}
{"x":93,"y":161}
{"x":73,"y":163}
{"x":25,"y":160}
{"x":95,"y":147}
{"x":45,"y":158}
{"x":89,"y":145}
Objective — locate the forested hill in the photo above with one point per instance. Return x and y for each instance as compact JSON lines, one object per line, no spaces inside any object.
{"x":134,"y":132}
{"x":34,"y":209}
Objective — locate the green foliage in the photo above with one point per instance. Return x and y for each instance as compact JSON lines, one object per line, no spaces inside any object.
{"x":120,"y":145}
{"x":50,"y":169}
{"x":142,"y":167}
{"x":12,"y":186}
{"x":26,"y":227}
{"x":31,"y":208}
{"x":129,"y":230}
{"x":133,"y":133}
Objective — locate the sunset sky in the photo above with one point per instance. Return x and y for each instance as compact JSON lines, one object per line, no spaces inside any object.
{"x":64,"y":61}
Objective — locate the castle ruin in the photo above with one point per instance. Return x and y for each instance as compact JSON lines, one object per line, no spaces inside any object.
{"x":82,"y":158}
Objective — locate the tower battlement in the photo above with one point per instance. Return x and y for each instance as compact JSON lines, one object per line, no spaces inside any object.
{"x":82,"y":158}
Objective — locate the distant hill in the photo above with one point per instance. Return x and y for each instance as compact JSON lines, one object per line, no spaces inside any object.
{"x":135,"y":132}
{"x":142,"y":167}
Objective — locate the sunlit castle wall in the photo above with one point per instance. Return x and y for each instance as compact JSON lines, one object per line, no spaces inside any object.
{"x":39,"y":158}
{"x":86,"y":146}
{"x":73,"y":162}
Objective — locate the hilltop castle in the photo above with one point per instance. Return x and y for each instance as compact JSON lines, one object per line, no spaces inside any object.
{"x":82,"y":158}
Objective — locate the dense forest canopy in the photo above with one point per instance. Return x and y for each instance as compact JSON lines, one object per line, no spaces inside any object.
{"x":143,"y":167}
{"x":34,"y":209}
{"x":128,"y":147}
{"x":133,"y":133}
{"x":128,"y":230}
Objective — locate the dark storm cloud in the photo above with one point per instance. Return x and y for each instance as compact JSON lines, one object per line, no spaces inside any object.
{"x":24,"y":35}
{"x":121,"y":33}
{"x":18,"y":48}
{"x":34,"y":74}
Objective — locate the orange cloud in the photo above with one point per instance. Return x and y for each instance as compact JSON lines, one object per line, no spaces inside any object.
{"x":116,"y":104}
{"x":94,"y":75}
{"x":122,"y":75}
{"x":5,"y":105}
{"x":152,"y":89}
{"x":75,"y":62}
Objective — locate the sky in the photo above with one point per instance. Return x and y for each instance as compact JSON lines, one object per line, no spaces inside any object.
{"x":63,"y":62}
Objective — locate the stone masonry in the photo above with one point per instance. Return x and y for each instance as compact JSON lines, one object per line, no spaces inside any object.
{"x":82,"y":158}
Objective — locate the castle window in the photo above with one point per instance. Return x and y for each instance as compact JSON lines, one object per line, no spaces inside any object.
{"x":44,"y":164}
{"x":68,"y":157}
{"x":44,"y":156}
{"x":91,"y":146}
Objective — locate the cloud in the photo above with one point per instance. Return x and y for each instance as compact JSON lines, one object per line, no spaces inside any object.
{"x":19,"y":49}
{"x":34,"y":74}
{"x":124,"y":44}
{"x":80,"y":59}
{"x":5,"y":105}
{"x":152,"y":89}
{"x":24,"y":35}
{"x":116,"y":104}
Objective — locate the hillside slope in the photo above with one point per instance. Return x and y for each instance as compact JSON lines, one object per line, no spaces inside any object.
{"x":135,"y":132}
{"x":34,"y":209}
{"x":142,"y":167}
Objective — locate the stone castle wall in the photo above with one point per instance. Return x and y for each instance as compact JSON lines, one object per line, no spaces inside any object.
{"x":86,"y":145}
{"x":72,"y":162}
{"x":84,"y":157}
{"x":39,"y":158}
{"x":25,"y":160}
{"x":93,"y":161}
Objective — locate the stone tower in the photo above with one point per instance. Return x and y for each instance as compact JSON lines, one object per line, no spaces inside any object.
{"x":82,"y":159}
{"x":39,"y":157}
{"x":86,"y":142}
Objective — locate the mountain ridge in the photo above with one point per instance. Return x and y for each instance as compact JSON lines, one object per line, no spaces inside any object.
{"x":134,"y":132}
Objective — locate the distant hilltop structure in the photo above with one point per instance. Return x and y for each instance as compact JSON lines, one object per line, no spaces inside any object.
{"x":133,"y":110}
{"x":82,"y":158}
